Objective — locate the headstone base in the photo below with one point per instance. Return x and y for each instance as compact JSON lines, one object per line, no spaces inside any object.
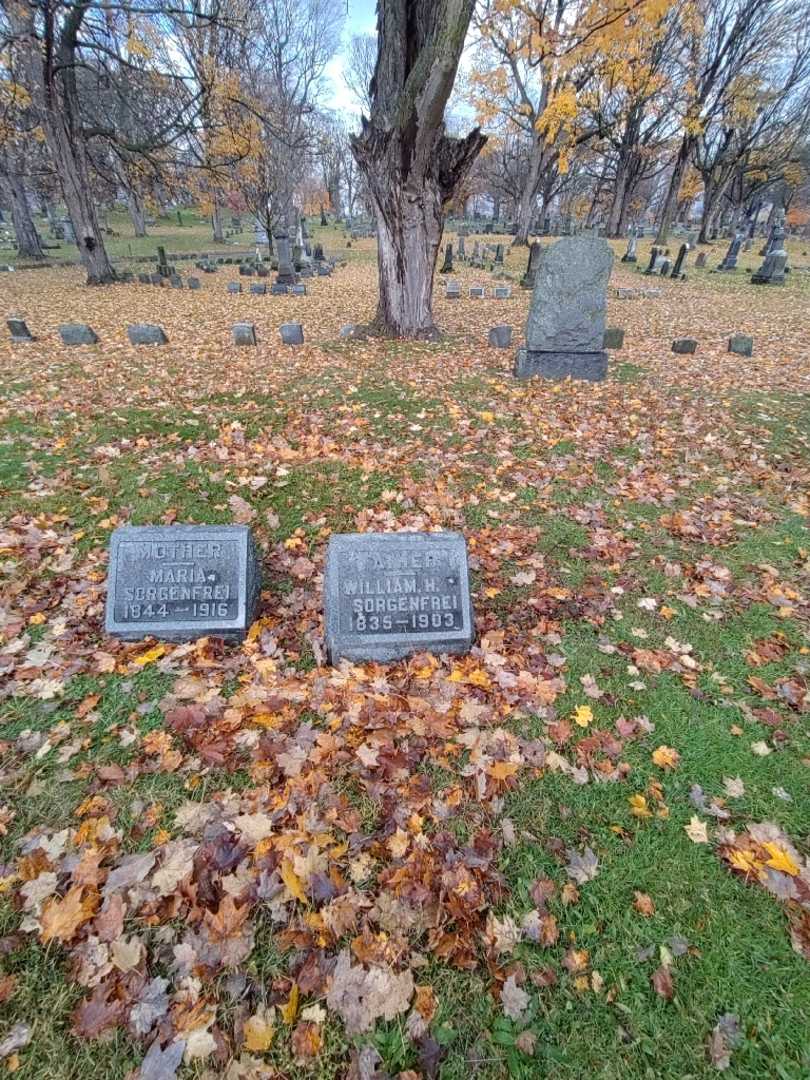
{"x":590,"y":366}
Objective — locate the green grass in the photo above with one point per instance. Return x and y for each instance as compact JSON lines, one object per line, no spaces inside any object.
{"x":740,"y":958}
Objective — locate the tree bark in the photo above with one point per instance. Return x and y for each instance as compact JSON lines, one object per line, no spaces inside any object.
{"x":73,"y":169}
{"x":528,"y":198}
{"x":412,"y":168}
{"x":671,"y":201}
{"x":50,"y":67}
{"x":216,"y":224}
{"x":29,"y":244}
{"x":136,"y":212}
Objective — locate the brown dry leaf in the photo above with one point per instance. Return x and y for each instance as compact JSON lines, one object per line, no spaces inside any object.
{"x":62,"y":917}
{"x":643,"y":903}
{"x":661,"y":980}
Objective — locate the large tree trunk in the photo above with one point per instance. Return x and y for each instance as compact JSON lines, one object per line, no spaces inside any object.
{"x":72,"y":167}
{"x":412,"y":168}
{"x":528,"y":197}
{"x":217,"y":230}
{"x":29,"y":244}
{"x":51,"y":73}
{"x":671,"y":201}
{"x":136,"y":212}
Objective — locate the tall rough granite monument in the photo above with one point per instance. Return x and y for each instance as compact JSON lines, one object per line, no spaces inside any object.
{"x":387,"y":595}
{"x":181,"y":582}
{"x":566,"y":324}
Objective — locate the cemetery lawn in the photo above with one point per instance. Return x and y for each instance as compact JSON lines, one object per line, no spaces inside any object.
{"x":580,"y":850}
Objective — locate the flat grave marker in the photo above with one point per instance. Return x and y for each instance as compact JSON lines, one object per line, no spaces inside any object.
{"x":182,"y":582}
{"x":387,"y":595}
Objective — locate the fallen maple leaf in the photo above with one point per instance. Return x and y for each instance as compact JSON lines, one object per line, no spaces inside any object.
{"x":582,"y":867}
{"x":665,"y":757}
{"x":661,"y":980}
{"x":643,"y":903}
{"x":514,"y":999}
{"x":62,"y":917}
{"x":583,"y":715}
{"x":242,"y":512}
{"x":696,"y":830}
{"x":258,"y":1030}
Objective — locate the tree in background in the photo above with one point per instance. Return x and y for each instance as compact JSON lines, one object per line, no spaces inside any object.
{"x":411,"y":166}
{"x":19,"y":138}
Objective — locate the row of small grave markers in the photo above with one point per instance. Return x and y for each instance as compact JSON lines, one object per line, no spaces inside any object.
{"x":243,"y":333}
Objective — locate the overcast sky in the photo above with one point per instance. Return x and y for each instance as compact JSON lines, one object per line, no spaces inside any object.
{"x":361,"y":19}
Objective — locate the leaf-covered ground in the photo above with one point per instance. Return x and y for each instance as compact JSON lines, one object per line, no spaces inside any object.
{"x":580,"y":850}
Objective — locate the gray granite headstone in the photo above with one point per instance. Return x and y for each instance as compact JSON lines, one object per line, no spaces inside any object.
{"x":234,"y":286}
{"x":18,"y":328}
{"x":175,"y":281}
{"x":146,"y":334}
{"x":614,"y":338}
{"x":181,"y":582}
{"x":258,"y":288}
{"x":700,"y":261}
{"x":500,"y":337}
{"x":741,"y":344}
{"x":194,"y":283}
{"x":452,"y":291}
{"x":566,"y":325}
{"x":292,"y":333}
{"x":503,"y":292}
{"x":77,"y":334}
{"x":244,"y":333}
{"x":298,"y":290}
{"x":278,"y":290}
{"x":684,"y":345}
{"x":388,"y":595}
{"x":477,"y":292}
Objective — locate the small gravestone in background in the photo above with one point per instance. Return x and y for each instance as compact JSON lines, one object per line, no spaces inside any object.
{"x":298,"y":290}
{"x":146,"y":334}
{"x":730,"y":258}
{"x":77,"y":334}
{"x":462,"y":252}
{"x":499,"y":254}
{"x":194,"y":283}
{"x":477,"y":292}
{"x":630,"y":255}
{"x":286,"y":270}
{"x":181,"y":582}
{"x":447,"y":265}
{"x":387,"y":595}
{"x":278,"y":290}
{"x":144,"y":279}
{"x":500,"y":337}
{"x":772,"y":271}
{"x":175,"y":281}
{"x":527,"y":281}
{"x":234,"y":286}
{"x":656,"y":255}
{"x":663,"y":267}
{"x":613,"y":338}
{"x":677,"y":270}
{"x":452,"y":291}
{"x":503,"y":292}
{"x":292,"y":333}
{"x":684,"y":345}
{"x":566,"y":325}
{"x":244,"y":333}
{"x":18,"y":328}
{"x":700,"y":261}
{"x":258,"y":288}
{"x":741,"y":344}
